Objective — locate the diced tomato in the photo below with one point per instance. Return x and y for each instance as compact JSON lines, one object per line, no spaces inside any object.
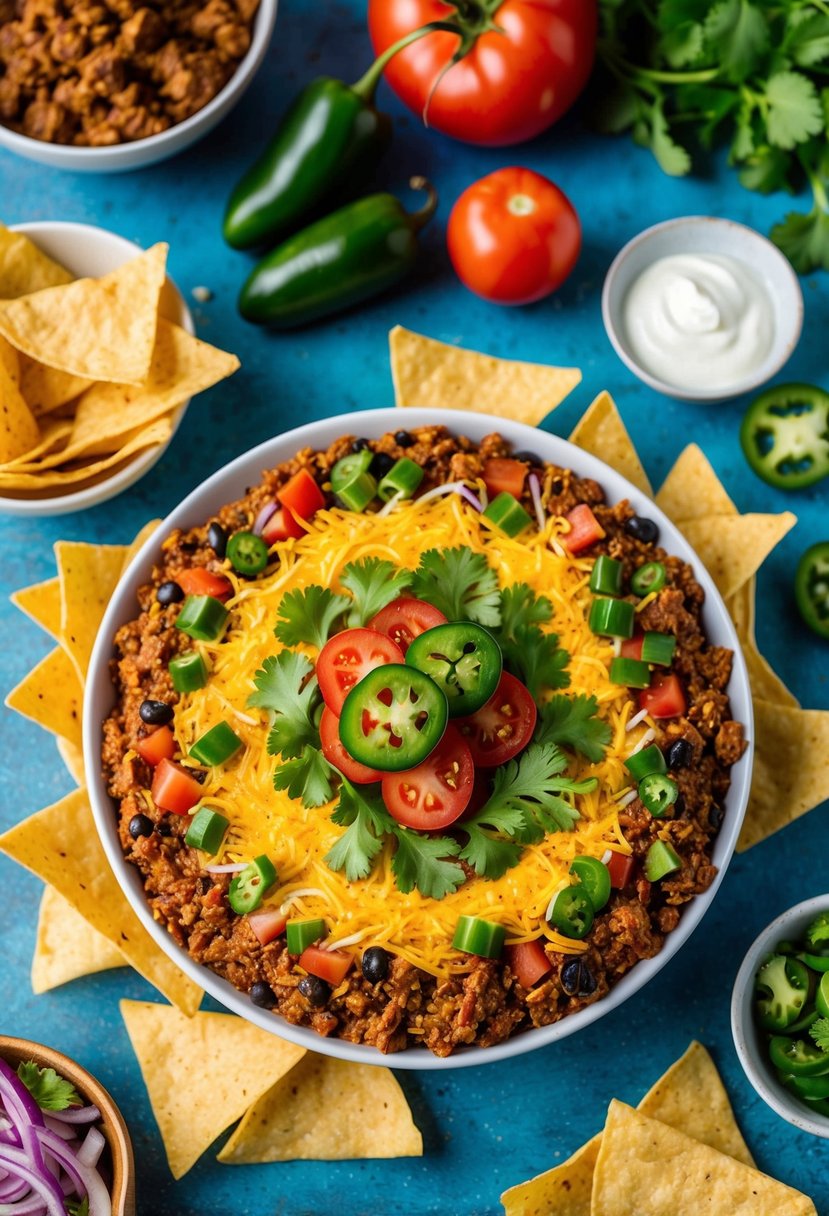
{"x":173,"y":788}
{"x":405,"y":619}
{"x":585,"y":529}
{"x":335,"y":753}
{"x":282,"y":526}
{"x":301,"y":495}
{"x":632,"y":647}
{"x":268,"y":924}
{"x":528,"y":962}
{"x":199,"y":581}
{"x":160,"y":745}
{"x":347,"y":657}
{"x":436,"y":792}
{"x":503,"y":476}
{"x":620,"y":867}
{"x":329,"y":965}
{"x":504,"y":726}
{"x":665,"y":698}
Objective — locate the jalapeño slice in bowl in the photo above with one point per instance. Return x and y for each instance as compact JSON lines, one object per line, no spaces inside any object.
{"x":785,"y":436}
{"x":811,"y":588}
{"x":463,"y":659}
{"x":781,"y":990}
{"x":393,"y":718}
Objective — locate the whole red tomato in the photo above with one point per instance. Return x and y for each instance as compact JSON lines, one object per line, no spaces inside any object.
{"x":513,"y":236}
{"x":524,"y":70}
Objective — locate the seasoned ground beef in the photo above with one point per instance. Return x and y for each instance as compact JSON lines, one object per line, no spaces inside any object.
{"x":407,"y":1007}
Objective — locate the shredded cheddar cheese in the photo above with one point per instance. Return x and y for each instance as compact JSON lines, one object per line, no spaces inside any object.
{"x":264,"y":820}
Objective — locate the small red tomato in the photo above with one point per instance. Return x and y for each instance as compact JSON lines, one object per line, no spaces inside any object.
{"x":513,"y":237}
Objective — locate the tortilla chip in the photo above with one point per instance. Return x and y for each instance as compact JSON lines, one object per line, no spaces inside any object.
{"x":72,"y":757}
{"x":47,"y":388}
{"x":53,"y":434}
{"x":67,"y":948}
{"x":791,"y":768}
{"x":203,"y":1073}
{"x":732,"y":548}
{"x":19,"y":432}
{"x":650,"y":1169}
{"x":44,"y":479}
{"x":41,"y":602}
{"x":60,"y":845}
{"x":99,"y":329}
{"x":765,"y":682}
{"x":51,"y":695}
{"x":689,"y":1096}
{"x":602,"y":432}
{"x":88,"y":576}
{"x":11,"y":362}
{"x":301,"y":1117}
{"x":23,"y":268}
{"x":440,"y":376}
{"x":692,"y":489}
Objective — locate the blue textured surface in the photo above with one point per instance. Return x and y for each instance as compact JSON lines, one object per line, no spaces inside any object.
{"x":486,"y":1128}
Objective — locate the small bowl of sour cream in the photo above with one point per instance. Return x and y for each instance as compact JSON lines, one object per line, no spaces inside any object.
{"x":701,"y":308}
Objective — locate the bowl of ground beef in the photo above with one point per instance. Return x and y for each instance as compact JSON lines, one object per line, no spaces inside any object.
{"x":105,"y":87}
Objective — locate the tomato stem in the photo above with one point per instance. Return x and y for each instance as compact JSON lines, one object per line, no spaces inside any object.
{"x":366,"y":86}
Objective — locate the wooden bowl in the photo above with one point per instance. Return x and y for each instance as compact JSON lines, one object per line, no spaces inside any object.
{"x":114,"y":1129}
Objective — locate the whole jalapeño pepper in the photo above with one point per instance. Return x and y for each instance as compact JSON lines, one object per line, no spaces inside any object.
{"x":349,"y":256}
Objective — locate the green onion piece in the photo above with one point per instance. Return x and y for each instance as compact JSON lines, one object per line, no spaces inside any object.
{"x":649,"y":760}
{"x":506,"y":512}
{"x":661,"y":860}
{"x":249,"y":888}
{"x":207,"y":830}
{"x":247,"y":553}
{"x":648,"y":578}
{"x":612,"y":618}
{"x":658,"y":648}
{"x":358,"y":493}
{"x":188,"y":671}
{"x":202,"y":617}
{"x":403,"y":478}
{"x":658,"y":793}
{"x":606,"y":576}
{"x":216,"y":745}
{"x":631,"y":672}
{"x":349,"y":467}
{"x":476,"y":936}
{"x":303,"y":933}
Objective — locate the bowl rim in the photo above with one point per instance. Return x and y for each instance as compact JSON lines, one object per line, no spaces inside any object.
{"x":768,"y":251}
{"x":69,"y":156}
{"x":744,"y":1033}
{"x":143,"y":461}
{"x":232,"y":479}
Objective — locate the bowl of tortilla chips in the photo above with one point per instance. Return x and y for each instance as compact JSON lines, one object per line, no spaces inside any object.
{"x":98,"y":362}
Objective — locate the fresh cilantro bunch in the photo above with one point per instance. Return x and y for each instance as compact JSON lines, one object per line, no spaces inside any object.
{"x":749,"y":73}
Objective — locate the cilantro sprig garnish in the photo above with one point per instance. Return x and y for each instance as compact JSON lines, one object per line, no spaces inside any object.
{"x":309,"y":615}
{"x":459,"y":583}
{"x":819,"y":1031}
{"x":742,"y":72}
{"x":529,"y":652}
{"x":49,"y":1090}
{"x":287,"y":687}
{"x":373,"y":583}
{"x":573,"y":722}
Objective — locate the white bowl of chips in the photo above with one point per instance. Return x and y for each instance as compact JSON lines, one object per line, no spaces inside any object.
{"x":79,"y":439}
{"x":229,"y":484}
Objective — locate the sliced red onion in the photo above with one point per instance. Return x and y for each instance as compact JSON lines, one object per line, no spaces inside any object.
{"x":535,"y":491}
{"x":234,"y":867}
{"x":90,"y":1151}
{"x":262,"y":518}
{"x":65,"y":1130}
{"x":48,"y":1194}
{"x":20,"y":1106}
{"x":466,"y":493}
{"x":76,"y":1114}
{"x":12,"y":1189}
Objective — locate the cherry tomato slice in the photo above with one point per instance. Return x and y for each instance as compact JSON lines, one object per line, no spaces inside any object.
{"x":199,"y":581}
{"x":665,"y":697}
{"x":158,"y":746}
{"x":405,"y":619}
{"x":347,"y":657}
{"x":503,"y":727}
{"x":282,"y":526}
{"x":335,"y":753}
{"x":436,"y":792}
{"x":173,"y":788}
{"x":329,"y":965}
{"x":585,"y":529}
{"x":301,"y":495}
{"x":502,"y":476}
{"x":528,"y":962}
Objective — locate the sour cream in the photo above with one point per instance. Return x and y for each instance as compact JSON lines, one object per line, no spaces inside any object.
{"x":699,"y":321}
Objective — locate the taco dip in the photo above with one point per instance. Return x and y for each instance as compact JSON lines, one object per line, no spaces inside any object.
{"x":422,"y":741}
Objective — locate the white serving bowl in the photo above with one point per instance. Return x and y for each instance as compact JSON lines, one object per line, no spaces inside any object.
{"x":749,"y":1039}
{"x":88,"y":251}
{"x":142,"y":152}
{"x":704,"y":234}
{"x":230,"y":483}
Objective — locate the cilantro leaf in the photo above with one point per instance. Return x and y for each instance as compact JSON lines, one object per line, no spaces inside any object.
{"x":373,"y":582}
{"x":422,"y":862}
{"x":284,"y":685}
{"x":50,"y":1091}
{"x":819,"y":1031}
{"x":794,"y":110}
{"x":807,"y":37}
{"x":489,"y":855}
{"x":460,"y":584}
{"x":739,"y":33}
{"x":76,"y":1207}
{"x":306,"y":776}
{"x":804,"y":238}
{"x":521,"y":606}
{"x":765,"y":170}
{"x":367,"y":821}
{"x":308,"y":615}
{"x":528,"y":652}
{"x":573,"y":722}
{"x":671,"y":157}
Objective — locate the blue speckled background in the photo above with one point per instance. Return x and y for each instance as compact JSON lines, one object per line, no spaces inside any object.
{"x":485,"y":1128}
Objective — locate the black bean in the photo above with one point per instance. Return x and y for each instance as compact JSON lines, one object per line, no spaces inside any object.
{"x":140,"y":825}
{"x":155,"y":713}
{"x":164,"y":827}
{"x":680,"y":754}
{"x":716,"y":814}
{"x":315,"y":991}
{"x":557,"y":486}
{"x":261,"y":994}
{"x":169,"y":593}
{"x":217,"y":539}
{"x":643,"y":529}
{"x":198,"y":774}
{"x":577,"y":979}
{"x":528,"y":458}
{"x":358,"y":445}
{"x":403,"y":439}
{"x":381,"y":464}
{"x":375,"y":964}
